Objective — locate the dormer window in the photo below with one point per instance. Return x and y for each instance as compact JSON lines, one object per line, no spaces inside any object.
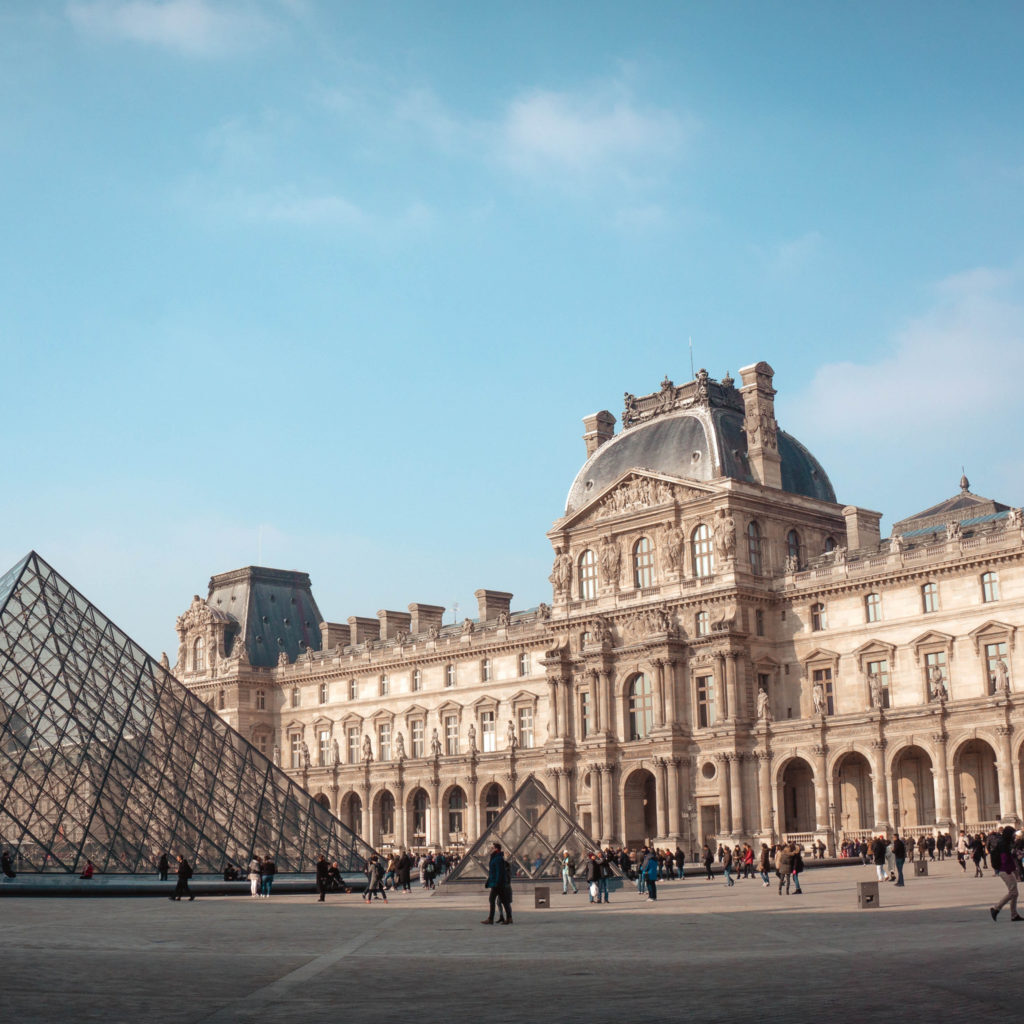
{"x":199,"y":655}
{"x":643,"y":564}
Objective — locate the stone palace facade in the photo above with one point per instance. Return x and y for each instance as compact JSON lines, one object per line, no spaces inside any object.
{"x":728,"y":652}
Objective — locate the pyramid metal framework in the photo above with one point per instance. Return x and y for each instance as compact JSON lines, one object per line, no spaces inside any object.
{"x":105,"y":755}
{"x":534,"y":829}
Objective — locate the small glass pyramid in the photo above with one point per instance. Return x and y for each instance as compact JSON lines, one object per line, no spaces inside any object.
{"x":105,"y":755}
{"x":534,"y":830}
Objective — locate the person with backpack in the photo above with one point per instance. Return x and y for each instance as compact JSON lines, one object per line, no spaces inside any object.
{"x":1005,"y":863}
{"x":568,"y":873}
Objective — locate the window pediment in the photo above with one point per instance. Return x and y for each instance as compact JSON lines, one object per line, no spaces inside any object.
{"x":932,"y":639}
{"x":875,"y":650}
{"x":352,"y":719}
{"x":522,"y":698}
{"x":449,"y":707}
{"x":486,"y":703}
{"x":383,"y":715}
{"x":820,"y":654}
{"x":993,"y":631}
{"x":294,"y":726}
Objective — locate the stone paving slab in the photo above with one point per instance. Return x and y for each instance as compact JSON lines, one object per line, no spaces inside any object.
{"x":703,"y":951}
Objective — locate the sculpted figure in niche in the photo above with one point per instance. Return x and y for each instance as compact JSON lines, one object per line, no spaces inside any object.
{"x":725,"y":536}
{"x":610,"y":559}
{"x":792,"y":564}
{"x":764,"y":712}
{"x":282,"y":659}
{"x":336,"y":751}
{"x":818,"y":697}
{"x":1002,"y":677}
{"x":276,"y":755}
{"x":875,"y":686}
{"x":936,"y":684}
{"x":513,"y":740}
{"x":435,"y":744}
{"x":561,"y":571}
{"x":472,"y":738}
{"x":165,"y":662}
{"x":367,"y":750}
{"x":675,"y":541}
{"x":305,"y":754}
{"x":400,"y":747}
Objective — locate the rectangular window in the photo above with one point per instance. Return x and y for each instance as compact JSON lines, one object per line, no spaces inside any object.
{"x":996,"y":667}
{"x":323,"y":693}
{"x":451,"y":734}
{"x":385,"y":686}
{"x":221,"y":700}
{"x":353,"y":689}
{"x":261,"y":700}
{"x":824,"y":676}
{"x":759,"y":622}
{"x":705,"y":701}
{"x":353,"y":744}
{"x":449,"y":676}
{"x":325,"y":747}
{"x":524,"y":664}
{"x":873,"y":608}
{"x":485,"y":670}
{"x":296,"y":748}
{"x":930,"y":597}
{"x":526,"y":728}
{"x":488,"y":739}
{"x":818,"y":620}
{"x":989,"y":587}
{"x":586,"y":725}
{"x":417,"y":681}
{"x":263,"y":743}
{"x":417,"y":737}
{"x":384,"y":741}
{"x":295,"y":697}
{"x":936,"y":675}
{"x":878,"y":681}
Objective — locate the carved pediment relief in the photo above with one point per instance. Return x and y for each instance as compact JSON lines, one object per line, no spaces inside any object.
{"x":636,"y":491}
{"x":649,"y":622}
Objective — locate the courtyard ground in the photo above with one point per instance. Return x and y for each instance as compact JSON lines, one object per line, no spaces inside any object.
{"x":703,"y":952}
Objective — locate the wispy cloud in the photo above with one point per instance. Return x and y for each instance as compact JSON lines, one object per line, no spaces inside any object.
{"x":194,"y":28}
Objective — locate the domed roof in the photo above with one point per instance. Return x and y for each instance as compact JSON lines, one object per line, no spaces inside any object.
{"x":695,"y":432}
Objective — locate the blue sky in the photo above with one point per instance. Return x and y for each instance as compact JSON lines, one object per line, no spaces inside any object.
{"x":347,"y":276}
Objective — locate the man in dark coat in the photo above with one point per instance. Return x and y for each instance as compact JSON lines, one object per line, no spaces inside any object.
{"x":163,"y":866}
{"x":184,"y":874}
{"x":496,"y":871}
{"x":322,"y":877}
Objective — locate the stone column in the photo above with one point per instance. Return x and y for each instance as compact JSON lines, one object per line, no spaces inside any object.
{"x":721,"y":687}
{"x":366,"y":818}
{"x":675,"y":832}
{"x":568,"y":711}
{"x":1004,"y":774}
{"x":659,"y":692}
{"x":764,"y":789}
{"x":554,"y":719}
{"x":880,"y":786}
{"x":731,"y":687}
{"x":820,"y":790}
{"x":562,"y":795}
{"x":596,"y":701}
{"x":608,"y":713}
{"x":736,"y":792}
{"x":474,"y":810}
{"x":596,"y":804}
{"x":724,"y":813}
{"x":662,"y":765}
{"x":401,"y":823}
{"x":670,"y":692}
{"x":435,"y":815}
{"x":941,"y":776}
{"x":608,"y":803}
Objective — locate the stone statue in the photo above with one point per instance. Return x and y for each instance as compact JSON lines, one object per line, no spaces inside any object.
{"x":504,"y":619}
{"x":561,"y":572}
{"x":472,"y":738}
{"x":818,"y":697}
{"x":434,"y":632}
{"x":764,"y":712}
{"x":400,"y":747}
{"x":543,"y":612}
{"x":165,"y":662}
{"x":305,"y":754}
{"x":725,"y":536}
{"x":435,"y":745}
{"x":367,"y":749}
{"x":610,"y":560}
{"x":1015,"y":520}
{"x":180,"y":663}
{"x":1002,"y":677}
{"x":336,"y":751}
{"x":936,"y":684}
{"x":276,"y":755}
{"x":875,"y":686}
{"x":896,"y":544}
{"x":238,"y":650}
{"x":675,"y":541}
{"x":467,"y":627}
{"x":792,"y":564}
{"x":839,"y":555}
{"x":282,"y":659}
{"x":953,"y":531}
{"x":513,"y":742}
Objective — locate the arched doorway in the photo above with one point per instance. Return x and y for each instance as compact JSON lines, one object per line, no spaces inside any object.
{"x":914,"y":797}
{"x":492,"y":801}
{"x":323,"y":800}
{"x":797,"y":797}
{"x":384,"y":819}
{"x":853,"y":796}
{"x":418,"y":810}
{"x":977,"y":785}
{"x":351,"y":812}
{"x":455,"y":814}
{"x":639,"y":804}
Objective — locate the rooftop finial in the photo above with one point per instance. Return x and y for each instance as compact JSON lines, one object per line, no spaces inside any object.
{"x":965,"y":484}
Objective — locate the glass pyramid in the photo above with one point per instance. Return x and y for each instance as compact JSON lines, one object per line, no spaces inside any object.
{"x":105,"y":755}
{"x":534,"y":829}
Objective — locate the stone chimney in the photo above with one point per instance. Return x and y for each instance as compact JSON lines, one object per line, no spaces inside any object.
{"x":391,"y":623}
{"x":861,"y":527}
{"x":362,"y":629}
{"x":492,"y":603}
{"x":599,"y":428}
{"x":759,"y":424}
{"x":334,"y":634}
{"x":423,"y":616}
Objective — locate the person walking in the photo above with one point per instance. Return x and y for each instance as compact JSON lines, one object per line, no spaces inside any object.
{"x":784,"y":865}
{"x":651,"y":871}
{"x":602,"y":883}
{"x":798,"y":867}
{"x":764,"y":864}
{"x":184,"y":874}
{"x":1005,"y":863}
{"x":322,"y":877}
{"x":267,"y":871}
{"x":254,"y":877}
{"x":375,"y":880}
{"x":878,"y":856}
{"x":568,"y":873}
{"x":727,"y":866}
{"x":495,"y":881}
{"x":709,"y":860}
{"x":899,"y":852}
{"x":593,"y":878}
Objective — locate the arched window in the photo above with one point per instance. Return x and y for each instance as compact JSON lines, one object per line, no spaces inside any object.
{"x":643,"y":563}
{"x":793,"y":547}
{"x":387,"y":813}
{"x":703,"y":551}
{"x":754,"y":546}
{"x":199,"y":655}
{"x":830,"y":544}
{"x":587,"y":571}
{"x":456,"y":810}
{"x":419,"y":817}
{"x":701,"y":623}
{"x":492,"y":805}
{"x":641,"y":708}
{"x":323,"y":693}
{"x":989,"y":587}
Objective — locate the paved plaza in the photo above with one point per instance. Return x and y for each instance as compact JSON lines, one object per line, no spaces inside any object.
{"x":703,"y":952}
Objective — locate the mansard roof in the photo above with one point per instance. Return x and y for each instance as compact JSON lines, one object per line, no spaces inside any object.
{"x":964,"y":508}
